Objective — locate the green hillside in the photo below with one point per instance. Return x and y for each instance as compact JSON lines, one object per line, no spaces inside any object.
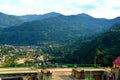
{"x":55,"y":30}
{"x":102,"y":50}
{"x":9,"y":20}
{"x":28,"y":18}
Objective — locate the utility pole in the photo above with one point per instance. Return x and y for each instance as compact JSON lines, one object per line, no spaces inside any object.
{"x":95,"y":61}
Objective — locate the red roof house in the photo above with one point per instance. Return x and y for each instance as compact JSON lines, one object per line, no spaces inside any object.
{"x":116,"y":62}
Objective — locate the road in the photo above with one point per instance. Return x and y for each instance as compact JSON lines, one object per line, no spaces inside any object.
{"x":62,"y":74}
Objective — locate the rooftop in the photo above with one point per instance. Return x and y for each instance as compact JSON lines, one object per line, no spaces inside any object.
{"x":117,"y":60}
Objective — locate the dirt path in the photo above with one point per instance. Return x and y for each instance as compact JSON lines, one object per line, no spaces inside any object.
{"x":62,"y":74}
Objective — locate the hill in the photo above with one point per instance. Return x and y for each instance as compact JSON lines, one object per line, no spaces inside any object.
{"x":28,"y":18}
{"x":102,"y":50}
{"x":9,"y":20}
{"x":55,"y":30}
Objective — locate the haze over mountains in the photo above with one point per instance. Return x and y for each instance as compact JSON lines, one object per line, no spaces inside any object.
{"x":12,"y":20}
{"x":51,"y":28}
{"x":27,"y":18}
{"x":9,"y":20}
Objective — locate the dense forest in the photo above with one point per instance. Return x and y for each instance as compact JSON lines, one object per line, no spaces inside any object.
{"x":9,"y":20}
{"x":103,"y":49}
{"x":28,"y":18}
{"x":53,"y":28}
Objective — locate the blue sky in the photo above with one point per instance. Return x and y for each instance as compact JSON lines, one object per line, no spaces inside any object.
{"x":96,"y":8}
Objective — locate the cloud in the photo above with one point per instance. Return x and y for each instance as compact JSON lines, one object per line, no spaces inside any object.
{"x":84,"y":2}
{"x":87,"y":7}
{"x":105,"y":8}
{"x":116,"y":8}
{"x":96,"y":8}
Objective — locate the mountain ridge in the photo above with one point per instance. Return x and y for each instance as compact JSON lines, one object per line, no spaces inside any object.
{"x":57,"y":29}
{"x":9,"y":20}
{"x":27,"y":18}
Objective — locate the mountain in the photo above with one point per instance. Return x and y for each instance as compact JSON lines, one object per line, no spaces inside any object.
{"x":27,"y":18}
{"x":9,"y":20}
{"x":55,"y":30}
{"x":103,"y":49}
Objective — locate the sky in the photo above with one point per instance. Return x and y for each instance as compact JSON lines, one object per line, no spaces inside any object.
{"x":96,"y":8}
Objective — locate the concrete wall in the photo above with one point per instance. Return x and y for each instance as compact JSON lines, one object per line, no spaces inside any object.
{"x":45,"y":74}
{"x":97,"y":75}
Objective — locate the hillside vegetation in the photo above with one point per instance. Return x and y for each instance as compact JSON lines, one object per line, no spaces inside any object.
{"x":55,"y":30}
{"x":9,"y":20}
{"x":103,"y":49}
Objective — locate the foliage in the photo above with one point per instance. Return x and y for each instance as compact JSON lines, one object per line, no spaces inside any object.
{"x":54,"y":30}
{"x":9,"y":20}
{"x":89,"y":78}
{"x":103,"y":49}
{"x":29,"y":18}
{"x":77,"y":33}
{"x":9,"y":62}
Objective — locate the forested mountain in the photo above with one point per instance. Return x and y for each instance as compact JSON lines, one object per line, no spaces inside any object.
{"x":55,"y":30}
{"x":9,"y":20}
{"x":27,"y":18}
{"x":100,"y":42}
{"x":103,"y":49}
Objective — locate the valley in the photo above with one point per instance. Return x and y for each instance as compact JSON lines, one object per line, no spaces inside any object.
{"x":75,"y":39}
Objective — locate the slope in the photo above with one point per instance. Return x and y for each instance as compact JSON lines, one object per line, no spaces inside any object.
{"x":28,"y":18}
{"x":9,"y":20}
{"x":103,"y":49}
{"x":55,"y":30}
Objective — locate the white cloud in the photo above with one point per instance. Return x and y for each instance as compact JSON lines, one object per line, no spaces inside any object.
{"x":84,"y":2}
{"x":105,"y":9}
{"x":96,"y":8}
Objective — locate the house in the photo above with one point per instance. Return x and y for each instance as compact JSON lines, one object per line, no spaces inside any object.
{"x":41,"y":58}
{"x":116,"y":62}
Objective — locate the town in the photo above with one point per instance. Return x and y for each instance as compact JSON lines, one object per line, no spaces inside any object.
{"x":11,"y":56}
{"x":30,"y":60}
